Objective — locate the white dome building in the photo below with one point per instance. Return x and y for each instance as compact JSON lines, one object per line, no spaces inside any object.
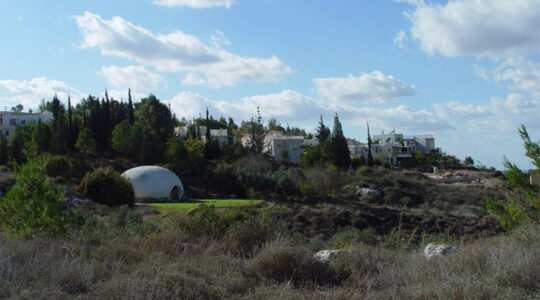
{"x":151,"y":183}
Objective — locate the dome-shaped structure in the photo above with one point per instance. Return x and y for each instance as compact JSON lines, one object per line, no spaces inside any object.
{"x":151,"y":183}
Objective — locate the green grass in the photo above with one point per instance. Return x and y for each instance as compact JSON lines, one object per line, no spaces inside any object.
{"x":168,"y":207}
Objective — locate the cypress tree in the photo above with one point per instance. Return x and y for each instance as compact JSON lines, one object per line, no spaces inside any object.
{"x":340,"y":151}
{"x":323,"y":132}
{"x":131,"y":115}
{"x":3,"y":149}
{"x":370,"y":156}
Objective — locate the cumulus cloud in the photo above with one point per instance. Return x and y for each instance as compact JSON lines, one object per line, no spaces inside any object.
{"x":477,"y":28}
{"x":367,"y":88}
{"x":134,"y":77}
{"x":29,"y":93}
{"x":195,"y":3}
{"x":521,"y":74}
{"x":176,"y":52}
{"x":285,"y":106}
{"x":400,"y":117}
{"x":498,"y":114}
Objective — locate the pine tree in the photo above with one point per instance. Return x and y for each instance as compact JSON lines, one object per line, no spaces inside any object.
{"x":323,"y":132}
{"x":339,"y":148}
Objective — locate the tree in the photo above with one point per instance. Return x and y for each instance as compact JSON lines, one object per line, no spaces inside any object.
{"x":42,"y":137}
{"x":17,"y":108}
{"x":257,"y":133}
{"x":369,"y":154}
{"x":3,"y":149}
{"x":522,"y":204}
{"x":468,"y":161}
{"x":58,"y":131}
{"x":131,"y":116}
{"x":323,"y":132}
{"x":31,"y":207}
{"x":156,"y":117}
{"x":341,"y":156}
{"x":122,"y":139}
{"x":85,"y":142}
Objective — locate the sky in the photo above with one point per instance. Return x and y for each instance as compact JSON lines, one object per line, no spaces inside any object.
{"x":465,"y":71}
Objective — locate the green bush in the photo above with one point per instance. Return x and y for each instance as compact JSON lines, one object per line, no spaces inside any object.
{"x":58,"y":165}
{"x":353,"y":237}
{"x":242,"y":238}
{"x":205,"y":220}
{"x":106,"y":186}
{"x":31,"y":207}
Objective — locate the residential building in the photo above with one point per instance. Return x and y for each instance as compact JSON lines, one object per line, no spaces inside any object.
{"x":394,"y":147}
{"x":221,"y":135}
{"x":282,"y":147}
{"x":10,"y":120}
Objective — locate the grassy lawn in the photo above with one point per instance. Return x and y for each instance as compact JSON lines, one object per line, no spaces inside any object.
{"x":167,"y":207}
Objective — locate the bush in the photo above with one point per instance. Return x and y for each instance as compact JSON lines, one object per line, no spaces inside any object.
{"x":353,"y":237}
{"x":31,"y":207}
{"x":203,"y":221}
{"x":58,"y":165}
{"x":106,"y":186}
{"x":242,"y":238}
{"x":289,"y":264}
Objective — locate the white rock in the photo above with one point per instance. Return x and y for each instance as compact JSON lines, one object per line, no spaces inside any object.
{"x":438,"y":250}
{"x":327,"y":256}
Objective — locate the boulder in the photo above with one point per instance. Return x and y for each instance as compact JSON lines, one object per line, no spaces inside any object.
{"x":366,"y":191}
{"x":436,"y":250}
{"x":327,"y":256}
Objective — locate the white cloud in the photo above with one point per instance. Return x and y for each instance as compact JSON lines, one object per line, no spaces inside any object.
{"x":135,"y":77}
{"x":521,"y":74}
{"x":498,"y":114}
{"x":285,"y":106}
{"x":176,"y":52}
{"x":30,"y":92}
{"x":400,"y":117}
{"x":196,"y":3}
{"x":368,"y":88}
{"x":400,"y":39}
{"x":477,"y":27}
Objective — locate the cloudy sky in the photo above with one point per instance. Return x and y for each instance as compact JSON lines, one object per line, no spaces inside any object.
{"x":466,"y":71}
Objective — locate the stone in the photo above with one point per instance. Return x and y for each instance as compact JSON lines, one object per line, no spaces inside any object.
{"x":366,"y":191}
{"x":437,"y":250}
{"x":327,"y":256}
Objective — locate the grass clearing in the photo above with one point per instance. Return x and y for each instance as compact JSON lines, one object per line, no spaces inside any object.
{"x":168,"y":207}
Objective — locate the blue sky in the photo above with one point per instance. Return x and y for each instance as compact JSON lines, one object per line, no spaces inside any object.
{"x":466,"y":71}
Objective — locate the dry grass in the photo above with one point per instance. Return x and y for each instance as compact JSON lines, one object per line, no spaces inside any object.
{"x":168,"y":264}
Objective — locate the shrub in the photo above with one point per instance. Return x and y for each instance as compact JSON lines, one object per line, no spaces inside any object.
{"x":203,"y":221}
{"x":353,"y":237}
{"x":106,"y":186}
{"x":58,"y":165}
{"x":31,"y":207}
{"x":242,"y":238}
{"x":289,"y":264}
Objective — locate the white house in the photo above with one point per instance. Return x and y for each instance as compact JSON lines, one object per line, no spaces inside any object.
{"x":394,"y":147}
{"x":10,"y":120}
{"x":153,"y":183}
{"x":282,"y":147}
{"x":220,"y":135}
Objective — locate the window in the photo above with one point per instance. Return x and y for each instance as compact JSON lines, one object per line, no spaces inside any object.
{"x":7,"y":132}
{"x":12,"y":122}
{"x":23,"y":122}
